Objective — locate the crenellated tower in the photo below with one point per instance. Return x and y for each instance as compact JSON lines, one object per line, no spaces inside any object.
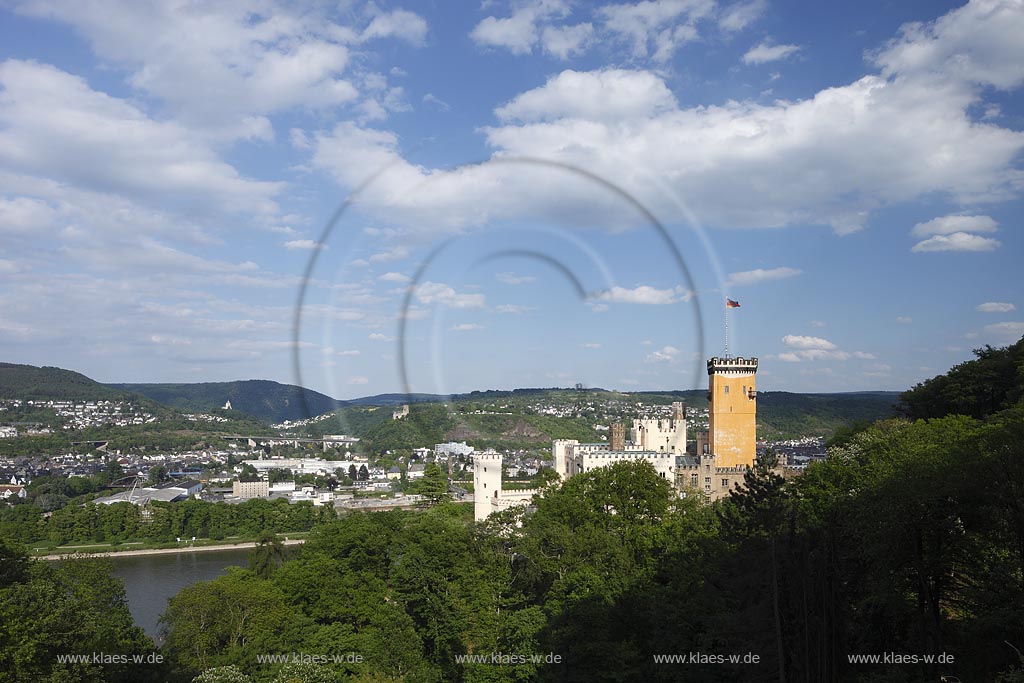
{"x":732,"y":410}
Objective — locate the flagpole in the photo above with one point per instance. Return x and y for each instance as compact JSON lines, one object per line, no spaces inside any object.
{"x":727,"y":330}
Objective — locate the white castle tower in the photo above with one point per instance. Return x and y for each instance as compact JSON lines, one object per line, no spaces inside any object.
{"x":486,"y":482}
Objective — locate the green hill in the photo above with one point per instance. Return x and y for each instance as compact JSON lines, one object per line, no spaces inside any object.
{"x":29,"y":383}
{"x":263,"y":399}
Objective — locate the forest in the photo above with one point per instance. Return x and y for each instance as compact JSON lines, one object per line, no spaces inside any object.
{"x":906,"y":543}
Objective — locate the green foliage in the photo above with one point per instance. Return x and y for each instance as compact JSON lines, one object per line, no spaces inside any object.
{"x":222,"y":674}
{"x":75,"y":607}
{"x":28,"y":382}
{"x":433,"y":486}
{"x":229,"y":620}
{"x":993,"y":381}
{"x":267,"y":556}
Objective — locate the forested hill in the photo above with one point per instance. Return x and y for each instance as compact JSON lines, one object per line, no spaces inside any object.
{"x":263,"y":399}
{"x":29,"y":383}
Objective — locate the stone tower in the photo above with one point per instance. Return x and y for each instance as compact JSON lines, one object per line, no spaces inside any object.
{"x":618,"y":440}
{"x":732,"y":413}
{"x":486,"y":482}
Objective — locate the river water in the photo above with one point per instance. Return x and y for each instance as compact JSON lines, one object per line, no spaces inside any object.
{"x":150,"y":580}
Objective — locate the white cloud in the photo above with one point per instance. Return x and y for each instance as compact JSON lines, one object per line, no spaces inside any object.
{"x":53,"y":124}
{"x":358,"y":380}
{"x":995,"y":307}
{"x":645,"y":294}
{"x":666,"y":354}
{"x":830,"y":159}
{"x":434,"y":100}
{"x":442,"y":294}
{"x":607,"y":95}
{"x":948,"y":225}
{"x":816,"y":348}
{"x":223,"y":66}
{"x":765,"y":51}
{"x":394,"y":277}
{"x":396,"y":253}
{"x":292,"y":245}
{"x":802,"y":342}
{"x":518,"y":32}
{"x":398,"y":23}
{"x":739,"y":15}
{"x":591,"y":345}
{"x":377,"y":336}
{"x":978,"y":42}
{"x":567,"y":41}
{"x":958,"y":241}
{"x":817,"y":323}
{"x":514,"y":278}
{"x":656,"y":28}
{"x":753,"y":277}
{"x":513,"y":309}
{"x":904,"y":320}
{"x":466,"y":327}
{"x":1007,"y":331}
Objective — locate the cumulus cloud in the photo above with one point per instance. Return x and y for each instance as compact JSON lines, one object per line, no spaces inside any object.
{"x":567,"y":41}
{"x":223,"y":66}
{"x":666,"y":354}
{"x":948,"y":225}
{"x":442,"y":294}
{"x":767,"y":51}
{"x":957,"y":241}
{"x":645,"y":294}
{"x":53,"y":124}
{"x":816,"y":348}
{"x":794,"y":161}
{"x":394,"y":277}
{"x":606,"y":95}
{"x":519,"y":32}
{"x":466,"y":327}
{"x":753,"y":277}
{"x":803,"y":342}
{"x":358,"y":380}
{"x":656,"y":28}
{"x":591,"y":345}
{"x":995,"y":307}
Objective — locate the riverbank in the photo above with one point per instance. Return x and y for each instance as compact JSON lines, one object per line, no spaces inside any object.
{"x":184,"y":548}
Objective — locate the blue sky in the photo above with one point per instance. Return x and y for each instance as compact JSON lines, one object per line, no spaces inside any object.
{"x":540,"y":192}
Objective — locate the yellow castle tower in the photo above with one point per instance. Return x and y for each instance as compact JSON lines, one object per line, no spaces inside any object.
{"x":732,"y":411}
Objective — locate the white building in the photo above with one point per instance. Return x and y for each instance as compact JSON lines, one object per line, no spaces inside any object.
{"x":659,"y":442}
{"x":488,"y":495}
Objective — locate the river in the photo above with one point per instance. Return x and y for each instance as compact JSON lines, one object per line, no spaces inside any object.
{"x":149,"y":580}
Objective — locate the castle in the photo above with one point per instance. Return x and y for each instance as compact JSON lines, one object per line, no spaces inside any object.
{"x":717,"y":462}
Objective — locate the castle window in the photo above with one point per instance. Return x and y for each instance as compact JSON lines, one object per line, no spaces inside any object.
{"x":725,"y":483}
{"x":727,"y":388}
{"x":707,"y":480}
{"x":693,"y":479}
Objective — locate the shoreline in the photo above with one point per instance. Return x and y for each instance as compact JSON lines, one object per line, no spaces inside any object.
{"x":246,"y":545}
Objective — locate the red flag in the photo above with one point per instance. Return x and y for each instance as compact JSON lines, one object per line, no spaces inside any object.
{"x":729,"y":303}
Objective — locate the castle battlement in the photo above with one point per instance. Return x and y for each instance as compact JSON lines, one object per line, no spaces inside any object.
{"x":731,"y":365}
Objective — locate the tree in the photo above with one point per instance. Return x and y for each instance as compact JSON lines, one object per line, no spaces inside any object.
{"x":268,"y":554}
{"x":364,"y":474}
{"x":222,"y":674}
{"x":433,"y":486}
{"x":157,"y":475}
